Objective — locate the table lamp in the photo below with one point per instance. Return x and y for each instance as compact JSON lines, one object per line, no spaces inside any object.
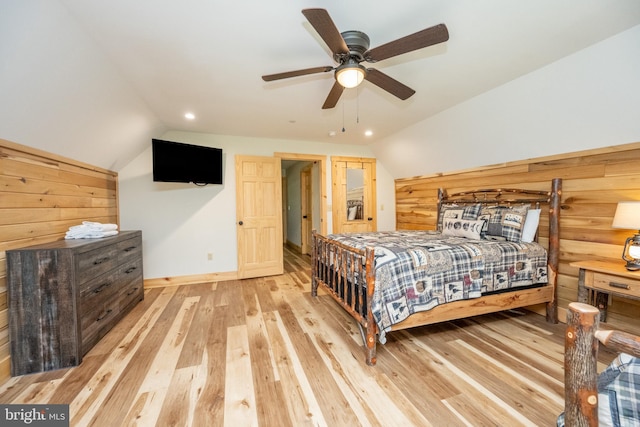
{"x":628,"y":217}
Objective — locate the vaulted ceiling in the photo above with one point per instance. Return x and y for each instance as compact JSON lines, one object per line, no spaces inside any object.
{"x":207,"y":57}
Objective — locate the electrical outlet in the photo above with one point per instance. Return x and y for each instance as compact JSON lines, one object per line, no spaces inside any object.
{"x":209,"y":256}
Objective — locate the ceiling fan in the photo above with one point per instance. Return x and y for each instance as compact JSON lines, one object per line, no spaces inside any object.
{"x":350,"y":48}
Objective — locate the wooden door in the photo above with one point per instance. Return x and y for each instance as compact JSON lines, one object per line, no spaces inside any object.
{"x":307,"y":209}
{"x":353,"y":194}
{"x":259,"y":216}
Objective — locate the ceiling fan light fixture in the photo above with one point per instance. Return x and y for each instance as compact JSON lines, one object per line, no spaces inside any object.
{"x":350,"y":74}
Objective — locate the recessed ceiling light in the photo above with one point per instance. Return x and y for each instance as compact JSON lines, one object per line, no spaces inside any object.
{"x":368,"y":132}
{"x":189,"y":116}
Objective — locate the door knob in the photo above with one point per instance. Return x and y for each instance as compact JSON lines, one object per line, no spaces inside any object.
{"x":240,"y":222}
{"x":369,"y":219}
{"x":304,"y":216}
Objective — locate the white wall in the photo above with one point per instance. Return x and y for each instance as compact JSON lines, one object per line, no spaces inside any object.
{"x":61,"y":94}
{"x":181,"y":223}
{"x":587,"y":100}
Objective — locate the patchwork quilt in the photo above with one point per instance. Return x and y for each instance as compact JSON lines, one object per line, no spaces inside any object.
{"x":618,"y":393}
{"x":419,"y":270}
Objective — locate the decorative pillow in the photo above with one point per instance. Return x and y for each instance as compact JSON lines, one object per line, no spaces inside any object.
{"x":470,"y":229}
{"x":531,"y":225}
{"x":352,"y":211}
{"x":504,"y":221}
{"x":458,"y":212}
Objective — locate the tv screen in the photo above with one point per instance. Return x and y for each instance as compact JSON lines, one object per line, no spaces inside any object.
{"x":178,"y":162}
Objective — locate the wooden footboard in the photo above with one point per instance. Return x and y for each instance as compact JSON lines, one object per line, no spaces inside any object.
{"x":582,"y":340}
{"x":477,"y":306}
{"x":347,"y":275}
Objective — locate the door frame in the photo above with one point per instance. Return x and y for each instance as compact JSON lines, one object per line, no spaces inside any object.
{"x":306,"y":201}
{"x":369,"y":221}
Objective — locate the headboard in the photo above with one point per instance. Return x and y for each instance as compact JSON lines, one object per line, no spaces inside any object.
{"x":511,"y":196}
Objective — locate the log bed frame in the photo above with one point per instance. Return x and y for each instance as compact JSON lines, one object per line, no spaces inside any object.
{"x":582,"y":339}
{"x":356,"y":300}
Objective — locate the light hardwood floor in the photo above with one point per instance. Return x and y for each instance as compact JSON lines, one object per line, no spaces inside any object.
{"x":263,"y":352}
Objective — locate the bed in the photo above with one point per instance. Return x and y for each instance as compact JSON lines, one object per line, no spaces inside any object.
{"x":389,"y":281}
{"x":611,"y":397}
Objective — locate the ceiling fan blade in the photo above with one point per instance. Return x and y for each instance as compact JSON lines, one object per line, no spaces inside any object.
{"x":334,"y":96}
{"x":427,"y":37}
{"x":389,"y":84}
{"x":323,"y":24}
{"x":279,"y":76}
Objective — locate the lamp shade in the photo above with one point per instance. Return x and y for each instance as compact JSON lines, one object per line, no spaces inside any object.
{"x":627,"y":216}
{"x":350,"y":74}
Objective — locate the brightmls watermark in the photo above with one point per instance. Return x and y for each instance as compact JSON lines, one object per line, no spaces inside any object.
{"x":34,"y":415}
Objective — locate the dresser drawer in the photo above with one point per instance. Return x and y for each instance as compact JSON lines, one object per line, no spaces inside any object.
{"x":130,"y":297}
{"x":98,"y":320}
{"x":615,"y":284}
{"x":129,"y":250}
{"x":98,"y":289}
{"x":131,"y":271}
{"x":96,"y":262}
{"x":131,"y":284}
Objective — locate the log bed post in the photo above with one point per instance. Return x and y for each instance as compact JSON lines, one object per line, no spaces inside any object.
{"x":314,"y":264}
{"x":371,"y":328}
{"x":554,"y":247}
{"x":580,"y":365}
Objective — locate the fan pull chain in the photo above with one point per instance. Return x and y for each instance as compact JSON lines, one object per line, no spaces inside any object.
{"x":357,"y":105}
{"x":343,"y":117}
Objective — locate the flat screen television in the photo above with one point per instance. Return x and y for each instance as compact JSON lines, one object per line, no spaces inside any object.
{"x":179,"y":162}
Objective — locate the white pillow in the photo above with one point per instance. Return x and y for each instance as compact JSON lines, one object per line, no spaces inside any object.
{"x":530,"y":225}
{"x":352,"y":213}
{"x":469,"y":229}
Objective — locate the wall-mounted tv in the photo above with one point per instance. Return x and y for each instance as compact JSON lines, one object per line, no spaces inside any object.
{"x":179,"y":162}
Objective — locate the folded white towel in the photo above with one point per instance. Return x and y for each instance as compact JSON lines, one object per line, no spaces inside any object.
{"x":100,"y":226}
{"x":91,"y":230}
{"x":90,"y":234}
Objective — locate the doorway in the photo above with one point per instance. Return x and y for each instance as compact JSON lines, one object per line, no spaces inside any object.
{"x":308,"y":182}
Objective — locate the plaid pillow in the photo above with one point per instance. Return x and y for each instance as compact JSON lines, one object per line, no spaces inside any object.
{"x":504,"y":221}
{"x":453,"y":211}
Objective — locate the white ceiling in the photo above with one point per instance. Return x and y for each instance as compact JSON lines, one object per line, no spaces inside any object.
{"x":208,"y":56}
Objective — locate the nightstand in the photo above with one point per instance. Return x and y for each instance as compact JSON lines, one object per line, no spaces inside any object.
{"x":599,"y":279}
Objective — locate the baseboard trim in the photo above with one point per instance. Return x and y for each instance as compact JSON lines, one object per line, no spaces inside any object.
{"x":163,"y":282}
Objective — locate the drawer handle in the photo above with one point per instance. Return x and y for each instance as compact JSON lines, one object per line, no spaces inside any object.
{"x":106,"y":313}
{"x":101,"y":287}
{"x":130,"y":269}
{"x":618,"y":285}
{"x":130,"y":248}
{"x":133,"y":291}
{"x":101,"y":260}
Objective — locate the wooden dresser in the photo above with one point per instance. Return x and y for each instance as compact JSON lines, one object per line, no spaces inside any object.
{"x":66,"y":295}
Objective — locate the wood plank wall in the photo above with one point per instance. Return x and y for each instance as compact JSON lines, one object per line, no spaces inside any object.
{"x":41,"y":196}
{"x":594,"y":181}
